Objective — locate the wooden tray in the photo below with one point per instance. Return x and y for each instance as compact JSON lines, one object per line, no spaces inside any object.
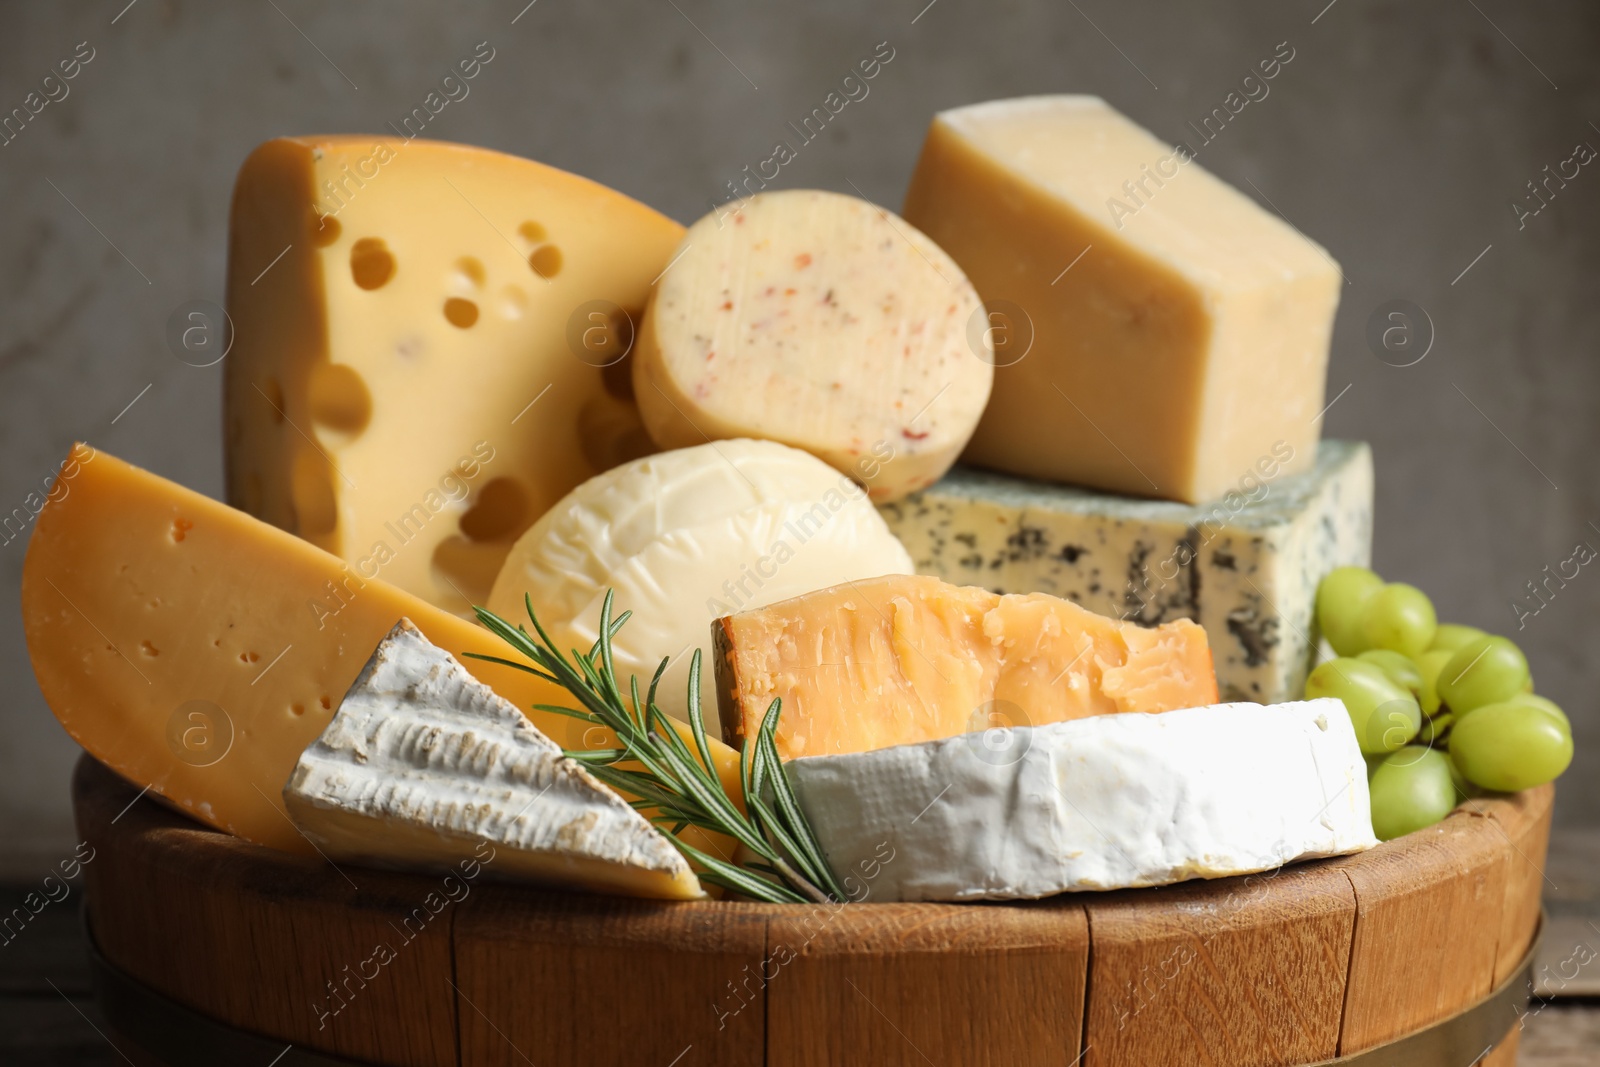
{"x":1319,"y":961}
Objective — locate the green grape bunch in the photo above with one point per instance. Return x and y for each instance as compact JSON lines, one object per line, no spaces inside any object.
{"x":1441,"y":711}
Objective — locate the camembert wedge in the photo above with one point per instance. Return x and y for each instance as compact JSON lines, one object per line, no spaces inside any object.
{"x":422,"y":763}
{"x":899,"y":660}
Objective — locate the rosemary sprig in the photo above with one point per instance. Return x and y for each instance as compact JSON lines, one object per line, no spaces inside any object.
{"x":672,"y":785}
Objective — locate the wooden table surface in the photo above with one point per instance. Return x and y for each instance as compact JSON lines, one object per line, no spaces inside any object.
{"x":48,"y":1016}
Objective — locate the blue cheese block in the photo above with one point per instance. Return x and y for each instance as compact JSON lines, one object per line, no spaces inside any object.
{"x":1245,"y":567}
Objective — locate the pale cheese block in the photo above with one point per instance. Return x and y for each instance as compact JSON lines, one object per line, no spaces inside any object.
{"x":423,"y":765}
{"x":823,"y":322}
{"x":899,"y":660}
{"x":429,"y":349}
{"x":687,"y":536}
{"x":1166,"y":332}
{"x":1112,"y":802}
{"x":198,"y":651}
{"x":1246,"y":567}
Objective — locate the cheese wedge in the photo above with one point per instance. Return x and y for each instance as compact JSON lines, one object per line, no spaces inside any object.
{"x":1110,"y":802}
{"x":423,"y":764}
{"x":429,"y":349}
{"x":1166,"y":332}
{"x":198,"y":651}
{"x":899,"y":660}
{"x":684,"y":537}
{"x":823,"y":322}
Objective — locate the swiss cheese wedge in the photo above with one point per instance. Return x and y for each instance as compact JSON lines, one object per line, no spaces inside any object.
{"x":900,"y":660}
{"x":429,"y":349}
{"x":196,"y":650}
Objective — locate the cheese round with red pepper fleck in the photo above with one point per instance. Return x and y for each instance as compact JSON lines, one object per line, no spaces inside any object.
{"x":823,"y":322}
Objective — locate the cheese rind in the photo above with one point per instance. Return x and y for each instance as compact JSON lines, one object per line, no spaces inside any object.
{"x":423,"y":763}
{"x":898,"y":660}
{"x":420,"y":332}
{"x":1110,"y":802}
{"x":821,"y":321}
{"x":1245,"y":567}
{"x":198,"y":651}
{"x":683,"y":537}
{"x":1177,"y":329}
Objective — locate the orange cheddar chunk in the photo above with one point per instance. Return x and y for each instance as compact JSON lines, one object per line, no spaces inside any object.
{"x":898,"y":660}
{"x":198,"y":651}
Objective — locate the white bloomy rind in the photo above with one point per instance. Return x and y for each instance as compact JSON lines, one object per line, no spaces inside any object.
{"x":1108,"y":802}
{"x":423,"y":763}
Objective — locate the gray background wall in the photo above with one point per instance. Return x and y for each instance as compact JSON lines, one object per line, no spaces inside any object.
{"x":1398,"y":137}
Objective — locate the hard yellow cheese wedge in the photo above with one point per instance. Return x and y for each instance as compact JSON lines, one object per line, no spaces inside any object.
{"x":429,"y":349}
{"x":904,"y":659}
{"x":1160,"y":332}
{"x":180,"y":642}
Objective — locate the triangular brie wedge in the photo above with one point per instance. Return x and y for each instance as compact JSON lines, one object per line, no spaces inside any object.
{"x":423,"y":764}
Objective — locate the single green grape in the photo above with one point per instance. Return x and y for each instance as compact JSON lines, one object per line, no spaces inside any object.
{"x":1433,"y":729}
{"x":1485,"y":671}
{"x":1429,"y":664}
{"x":1451,"y":636}
{"x":1384,"y":714}
{"x":1410,"y":789}
{"x":1341,"y":598}
{"x":1507,"y":747}
{"x":1533,"y":700}
{"x":1399,"y":617}
{"x":1400,"y":668}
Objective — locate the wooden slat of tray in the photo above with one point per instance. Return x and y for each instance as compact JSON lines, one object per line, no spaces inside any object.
{"x":893,"y":985}
{"x":552,"y":978}
{"x":1524,"y":820}
{"x":1242,"y":971}
{"x":253,"y":937}
{"x":1428,"y":917}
